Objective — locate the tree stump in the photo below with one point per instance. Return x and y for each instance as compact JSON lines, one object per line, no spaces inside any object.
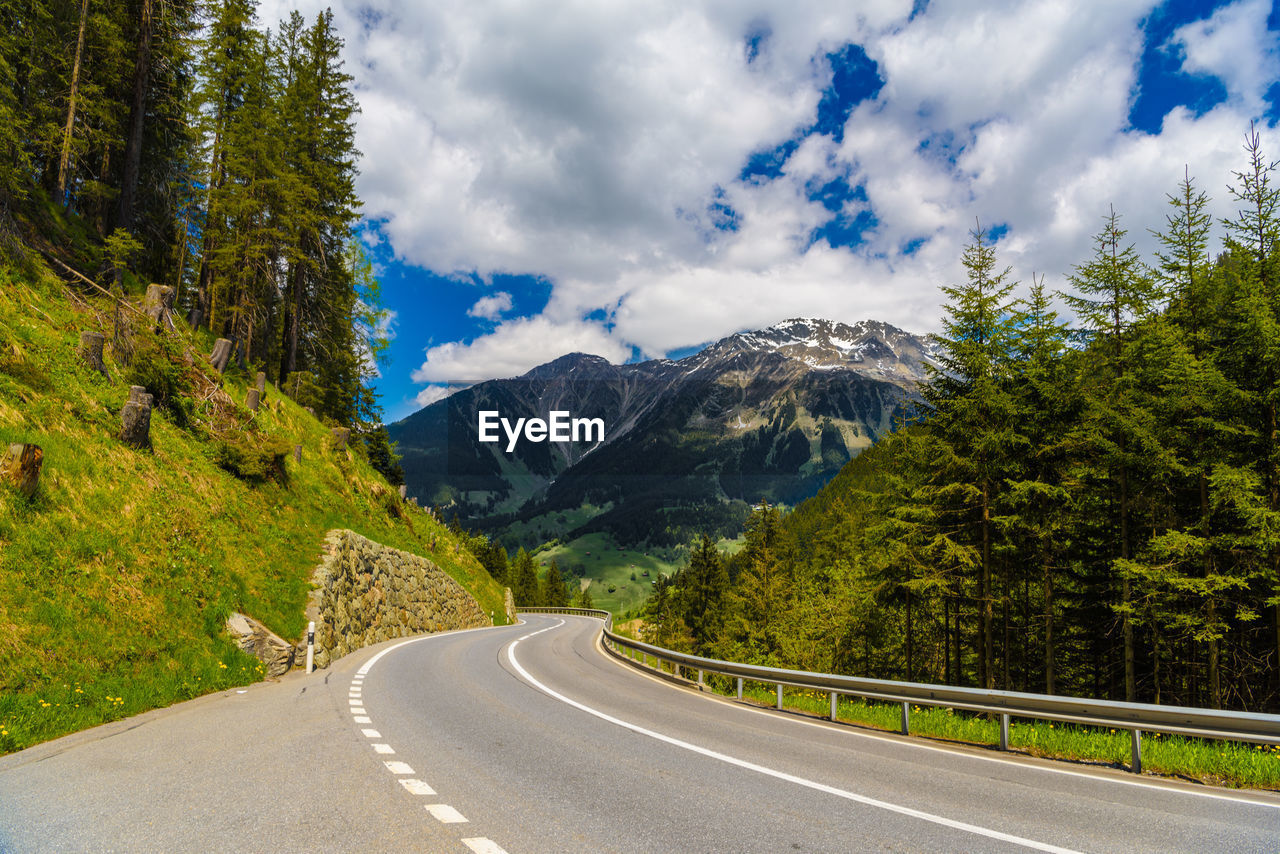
{"x":135,"y":421}
{"x":404,"y":492}
{"x":297,"y":453}
{"x":159,"y":305}
{"x":138,"y":394}
{"x":90,"y":350}
{"x":341,"y":436}
{"x":194,"y":317}
{"x":221,"y":354}
{"x":20,"y":466}
{"x":260,"y":383}
{"x":252,"y":401}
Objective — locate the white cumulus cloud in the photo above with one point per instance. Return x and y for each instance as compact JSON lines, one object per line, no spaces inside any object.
{"x":491,"y":307}
{"x":587,"y":143}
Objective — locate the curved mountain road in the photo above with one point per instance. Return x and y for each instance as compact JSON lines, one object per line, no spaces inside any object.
{"x":530,"y":738}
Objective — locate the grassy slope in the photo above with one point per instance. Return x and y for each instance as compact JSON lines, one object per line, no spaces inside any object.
{"x":606,"y":566}
{"x":115,"y":578}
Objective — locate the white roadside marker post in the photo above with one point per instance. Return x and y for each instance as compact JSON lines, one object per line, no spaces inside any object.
{"x":311,"y":645}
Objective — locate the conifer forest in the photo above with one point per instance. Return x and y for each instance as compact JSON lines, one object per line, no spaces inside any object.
{"x":183,"y":143}
{"x":1090,"y":505}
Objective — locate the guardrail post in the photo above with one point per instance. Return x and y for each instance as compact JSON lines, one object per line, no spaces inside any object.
{"x":1135,"y":751}
{"x":739,"y":687}
{"x":1004,"y":732}
{"x":700,"y":685}
{"x":779,"y":695}
{"x":833,"y":705}
{"x":906,"y":718}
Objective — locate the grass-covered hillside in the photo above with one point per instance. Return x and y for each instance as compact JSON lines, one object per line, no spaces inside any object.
{"x":116,"y":576}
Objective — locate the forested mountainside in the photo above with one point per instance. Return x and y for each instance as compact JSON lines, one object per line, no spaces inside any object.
{"x":768,"y":415}
{"x":178,"y":143}
{"x":1091,"y":507}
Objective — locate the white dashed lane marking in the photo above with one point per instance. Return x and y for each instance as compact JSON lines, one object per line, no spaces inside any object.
{"x":417,"y":787}
{"x":442,"y":813}
{"x":446,"y":814}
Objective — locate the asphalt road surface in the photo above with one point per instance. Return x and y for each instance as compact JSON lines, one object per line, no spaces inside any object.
{"x":531,"y":738}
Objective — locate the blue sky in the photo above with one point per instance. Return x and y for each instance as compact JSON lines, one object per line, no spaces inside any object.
{"x":633,"y":179}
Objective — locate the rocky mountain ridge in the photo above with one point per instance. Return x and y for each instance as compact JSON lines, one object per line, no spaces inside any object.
{"x":769,"y":414}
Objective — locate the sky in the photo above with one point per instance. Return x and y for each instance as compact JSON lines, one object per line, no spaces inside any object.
{"x":636,"y":179}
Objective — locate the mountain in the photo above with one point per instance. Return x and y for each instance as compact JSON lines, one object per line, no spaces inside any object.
{"x":688,"y":444}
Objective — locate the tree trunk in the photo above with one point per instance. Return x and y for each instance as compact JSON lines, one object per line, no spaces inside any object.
{"x":64,"y":162}
{"x":20,"y":467}
{"x":1005,"y":684}
{"x":910,"y":650}
{"x":956,"y":648}
{"x":1130,"y":680}
{"x":946,"y":640}
{"x":137,"y":114}
{"x":90,"y":351}
{"x":988,"y":616}
{"x":1049,"y":687}
{"x":291,"y":324}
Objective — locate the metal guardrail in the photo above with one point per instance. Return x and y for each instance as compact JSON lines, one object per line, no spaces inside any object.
{"x":1134,"y":717}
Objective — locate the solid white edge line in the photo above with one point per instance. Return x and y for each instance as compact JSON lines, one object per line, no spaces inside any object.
{"x":782,"y":775}
{"x":368,"y":665}
{"x":481,"y":845}
{"x":916,"y":742}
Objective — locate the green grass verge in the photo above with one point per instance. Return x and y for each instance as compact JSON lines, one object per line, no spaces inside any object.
{"x":605,"y":566}
{"x":117,"y":575}
{"x":1223,"y":763}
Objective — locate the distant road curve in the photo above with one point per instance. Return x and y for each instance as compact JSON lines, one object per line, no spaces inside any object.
{"x":531,"y":739}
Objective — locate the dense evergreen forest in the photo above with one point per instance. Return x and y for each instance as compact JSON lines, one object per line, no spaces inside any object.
{"x":1090,"y":508}
{"x":175,"y":142}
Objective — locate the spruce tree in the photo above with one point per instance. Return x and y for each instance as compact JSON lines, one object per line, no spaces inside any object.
{"x":554,"y":592}
{"x":973,"y":419}
{"x":525,"y":589}
{"x":1114,"y":292}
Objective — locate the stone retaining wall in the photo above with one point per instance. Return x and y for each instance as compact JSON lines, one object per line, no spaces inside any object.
{"x":367,"y":593}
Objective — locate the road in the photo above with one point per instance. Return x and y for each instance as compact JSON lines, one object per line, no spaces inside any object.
{"x":530,"y":738}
